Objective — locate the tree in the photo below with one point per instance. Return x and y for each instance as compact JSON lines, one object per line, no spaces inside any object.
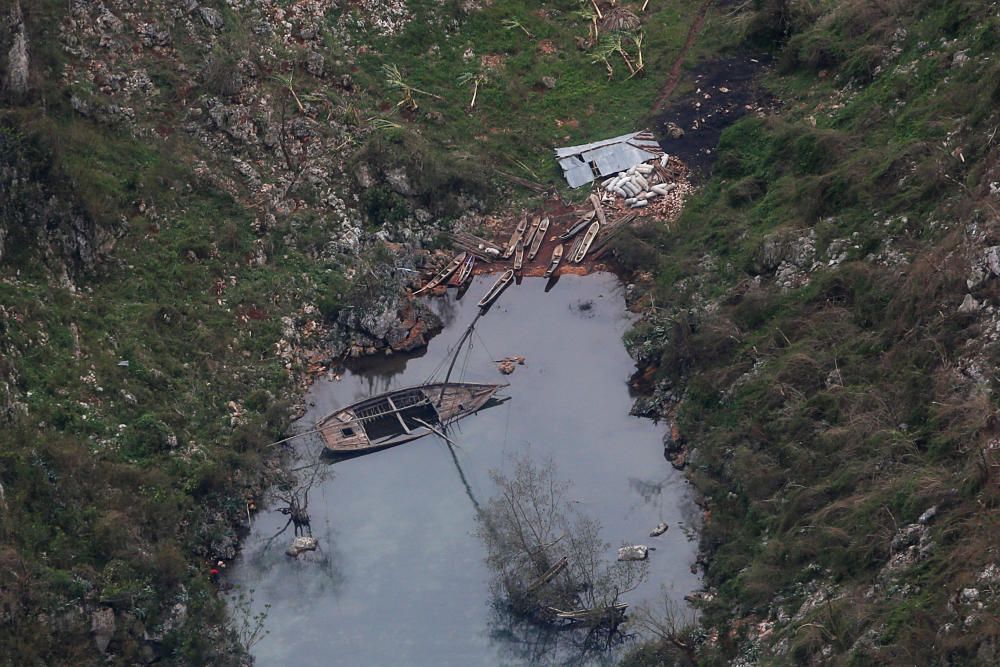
{"x":477,"y":79}
{"x":548,"y":559}
{"x":394,"y":79}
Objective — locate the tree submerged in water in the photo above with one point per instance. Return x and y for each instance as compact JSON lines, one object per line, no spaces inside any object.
{"x":549,"y":562}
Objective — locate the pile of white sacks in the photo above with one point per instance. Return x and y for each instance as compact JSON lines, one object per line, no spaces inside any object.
{"x":639,"y":185}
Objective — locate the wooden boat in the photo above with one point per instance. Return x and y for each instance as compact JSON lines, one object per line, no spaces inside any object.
{"x":530,"y":236}
{"x":578,"y":227}
{"x":557,"y":254}
{"x":498,"y":287}
{"x":515,"y":237}
{"x":585,"y":242}
{"x":444,"y":273}
{"x":519,"y":256}
{"x":400,"y":416}
{"x":543,"y":227}
{"x":463,"y":273}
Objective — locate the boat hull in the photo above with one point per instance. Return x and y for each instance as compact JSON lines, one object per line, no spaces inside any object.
{"x":401,"y":416}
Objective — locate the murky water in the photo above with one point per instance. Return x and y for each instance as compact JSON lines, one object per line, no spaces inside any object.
{"x":400,"y":577}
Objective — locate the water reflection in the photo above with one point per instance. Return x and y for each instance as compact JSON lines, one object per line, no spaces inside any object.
{"x":523,"y":642}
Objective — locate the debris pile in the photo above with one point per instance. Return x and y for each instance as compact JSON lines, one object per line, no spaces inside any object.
{"x":658,"y":186}
{"x":507,"y":364}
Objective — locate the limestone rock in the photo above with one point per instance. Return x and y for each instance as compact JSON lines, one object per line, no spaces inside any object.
{"x":212,"y":18}
{"x":102,"y":626}
{"x":16,"y":76}
{"x":969,"y":305}
{"x":399,"y":181}
{"x":302,"y":544}
{"x":633,"y":552}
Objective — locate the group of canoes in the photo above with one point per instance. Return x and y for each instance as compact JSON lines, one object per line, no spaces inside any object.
{"x":525,"y":239}
{"x":456,"y":273}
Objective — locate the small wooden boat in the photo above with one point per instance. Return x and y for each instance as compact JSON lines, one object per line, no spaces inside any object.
{"x":515,"y":237}
{"x":543,"y":227}
{"x":530,"y":236}
{"x":463,"y":273}
{"x":444,"y":273}
{"x":585,"y":242}
{"x":557,"y":254}
{"x":498,"y":287}
{"x":400,"y":416}
{"x":578,"y":227}
{"x":519,"y":256}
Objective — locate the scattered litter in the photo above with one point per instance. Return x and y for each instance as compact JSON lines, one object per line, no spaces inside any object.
{"x":123,"y":363}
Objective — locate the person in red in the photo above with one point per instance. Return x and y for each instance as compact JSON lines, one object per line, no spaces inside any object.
{"x":213,"y":575}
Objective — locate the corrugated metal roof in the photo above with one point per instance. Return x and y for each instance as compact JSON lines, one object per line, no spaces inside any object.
{"x":607,"y":157}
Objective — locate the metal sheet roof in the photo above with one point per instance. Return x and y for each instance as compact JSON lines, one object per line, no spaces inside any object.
{"x":607,"y":157}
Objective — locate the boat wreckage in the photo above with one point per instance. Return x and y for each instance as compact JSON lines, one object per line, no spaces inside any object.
{"x":403,"y":415}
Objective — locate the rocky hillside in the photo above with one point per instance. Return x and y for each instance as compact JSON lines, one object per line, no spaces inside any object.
{"x":825,"y":337}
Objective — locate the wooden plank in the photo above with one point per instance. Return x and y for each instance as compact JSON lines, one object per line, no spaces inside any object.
{"x":598,"y":209}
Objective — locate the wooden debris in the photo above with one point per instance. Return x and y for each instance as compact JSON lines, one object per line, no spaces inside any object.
{"x":549,"y":575}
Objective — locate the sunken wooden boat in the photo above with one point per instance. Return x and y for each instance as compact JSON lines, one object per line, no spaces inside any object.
{"x":530,"y":236}
{"x":498,"y":287}
{"x":585,"y":242}
{"x":519,"y":256}
{"x":401,"y":416}
{"x":580,"y":225}
{"x":459,"y":277}
{"x":557,"y":254}
{"x":536,"y":243}
{"x":443,"y":274}
{"x":515,"y":237}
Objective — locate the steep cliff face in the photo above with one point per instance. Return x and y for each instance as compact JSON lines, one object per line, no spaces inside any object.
{"x":40,"y":221}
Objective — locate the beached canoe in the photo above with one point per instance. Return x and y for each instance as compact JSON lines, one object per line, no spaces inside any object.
{"x":515,"y":237}
{"x":530,"y":236}
{"x":463,"y":273}
{"x":585,"y":242}
{"x":578,"y":227}
{"x":444,"y":273}
{"x":519,"y":256}
{"x":557,"y":254}
{"x":498,"y":287}
{"x":543,"y":228}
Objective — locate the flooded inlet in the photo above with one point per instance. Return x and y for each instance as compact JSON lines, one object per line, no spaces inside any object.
{"x":399,"y":577}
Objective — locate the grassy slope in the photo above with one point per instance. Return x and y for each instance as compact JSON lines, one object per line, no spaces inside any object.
{"x":516,"y":120}
{"x":829,"y":416}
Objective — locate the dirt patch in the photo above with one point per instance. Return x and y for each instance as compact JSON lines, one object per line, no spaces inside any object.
{"x":724,"y":91}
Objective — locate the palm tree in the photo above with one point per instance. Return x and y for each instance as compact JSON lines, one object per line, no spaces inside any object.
{"x":477,"y":79}
{"x":395,"y":81}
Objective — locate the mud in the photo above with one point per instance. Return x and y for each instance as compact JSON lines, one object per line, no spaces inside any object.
{"x":706,"y":111}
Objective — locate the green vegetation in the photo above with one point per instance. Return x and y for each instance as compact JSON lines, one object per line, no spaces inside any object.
{"x":825,"y":419}
{"x":516,"y":44}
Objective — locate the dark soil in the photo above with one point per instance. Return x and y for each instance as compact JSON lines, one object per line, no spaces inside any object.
{"x":706,"y":111}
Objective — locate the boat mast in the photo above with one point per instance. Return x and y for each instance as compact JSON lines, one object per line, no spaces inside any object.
{"x":454,"y":358}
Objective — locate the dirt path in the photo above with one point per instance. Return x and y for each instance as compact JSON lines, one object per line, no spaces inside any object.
{"x":675,"y":70}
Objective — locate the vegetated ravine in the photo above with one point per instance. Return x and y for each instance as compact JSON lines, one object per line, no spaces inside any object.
{"x":400,"y":575}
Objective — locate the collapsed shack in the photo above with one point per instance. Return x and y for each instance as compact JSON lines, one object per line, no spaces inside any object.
{"x":588,"y":162}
